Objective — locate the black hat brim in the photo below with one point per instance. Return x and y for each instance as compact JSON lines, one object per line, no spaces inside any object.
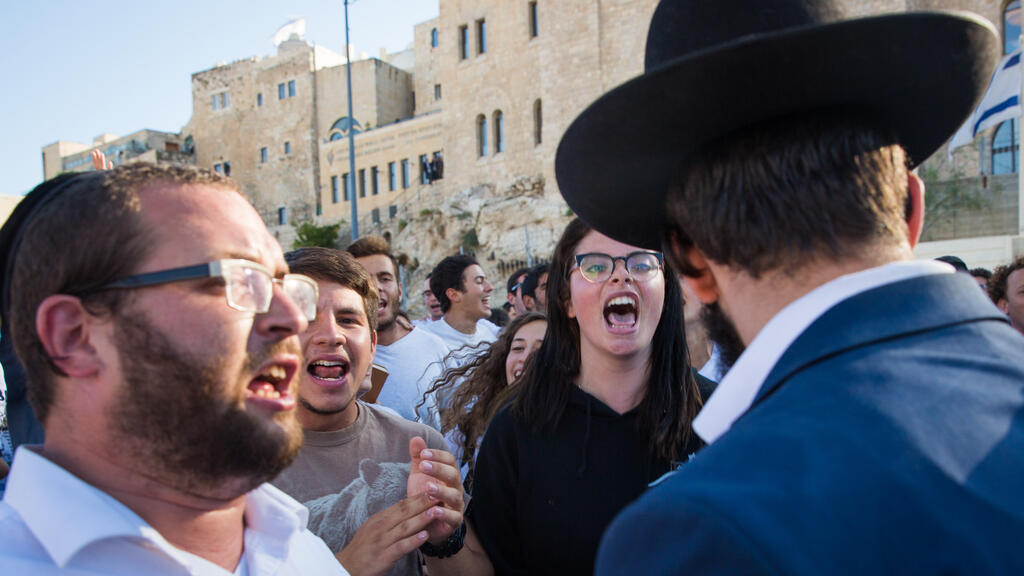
{"x":918,"y":75}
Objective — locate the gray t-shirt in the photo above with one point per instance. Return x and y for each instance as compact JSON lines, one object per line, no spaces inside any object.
{"x":346,"y":476}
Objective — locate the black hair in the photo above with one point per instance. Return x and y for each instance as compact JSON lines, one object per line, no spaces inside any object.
{"x":448,"y":274}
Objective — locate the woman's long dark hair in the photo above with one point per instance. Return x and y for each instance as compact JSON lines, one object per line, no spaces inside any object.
{"x":476,"y":391}
{"x":672,"y":398}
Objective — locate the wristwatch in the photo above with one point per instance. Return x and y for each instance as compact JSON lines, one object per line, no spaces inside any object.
{"x":450,"y":547}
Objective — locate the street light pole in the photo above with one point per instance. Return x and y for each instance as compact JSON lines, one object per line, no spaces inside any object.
{"x":351,"y":184}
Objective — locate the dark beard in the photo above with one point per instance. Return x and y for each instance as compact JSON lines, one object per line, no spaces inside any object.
{"x":184,"y":422}
{"x":723,"y":333}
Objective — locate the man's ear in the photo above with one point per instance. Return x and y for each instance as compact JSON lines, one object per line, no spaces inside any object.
{"x":65,"y":330}
{"x":453,"y":295}
{"x":704,"y":285}
{"x":1003,"y":305}
{"x":915,"y":203}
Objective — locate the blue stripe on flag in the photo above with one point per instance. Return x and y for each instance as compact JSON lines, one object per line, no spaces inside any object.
{"x":1012,"y":62}
{"x":1008,"y":103}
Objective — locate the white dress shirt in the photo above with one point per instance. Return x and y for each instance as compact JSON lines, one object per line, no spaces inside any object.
{"x":736,"y":392}
{"x":51,"y":522}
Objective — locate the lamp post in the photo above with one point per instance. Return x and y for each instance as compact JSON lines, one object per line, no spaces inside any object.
{"x":350,"y":185}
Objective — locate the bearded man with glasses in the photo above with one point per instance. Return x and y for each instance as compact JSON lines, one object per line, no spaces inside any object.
{"x":158,"y":326}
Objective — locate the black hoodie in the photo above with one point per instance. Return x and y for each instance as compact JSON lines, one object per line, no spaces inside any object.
{"x":542,"y":500}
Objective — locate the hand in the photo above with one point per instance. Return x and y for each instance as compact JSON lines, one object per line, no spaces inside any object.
{"x":389,"y":535}
{"x":100,"y":162}
{"x":434,"y":473}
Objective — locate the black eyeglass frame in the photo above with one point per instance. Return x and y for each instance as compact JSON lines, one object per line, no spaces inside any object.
{"x":625,"y":263}
{"x":214,"y":269}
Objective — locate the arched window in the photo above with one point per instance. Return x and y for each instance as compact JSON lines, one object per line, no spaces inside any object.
{"x":1011,"y":26}
{"x":340,"y":128}
{"x":481,"y":135}
{"x":433,"y":37}
{"x":1004,"y":148}
{"x":1006,"y":140}
{"x":499,"y":132}
{"x":538,"y":122}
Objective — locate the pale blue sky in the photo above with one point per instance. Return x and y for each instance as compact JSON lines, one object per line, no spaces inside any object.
{"x":73,"y":70}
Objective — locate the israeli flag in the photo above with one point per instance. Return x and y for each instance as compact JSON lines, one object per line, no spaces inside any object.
{"x":1001,"y":102}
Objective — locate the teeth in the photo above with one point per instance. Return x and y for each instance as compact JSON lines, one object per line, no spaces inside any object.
{"x":267,"y":391}
{"x":276,"y":373}
{"x":327,"y":364}
{"x":622,"y":301}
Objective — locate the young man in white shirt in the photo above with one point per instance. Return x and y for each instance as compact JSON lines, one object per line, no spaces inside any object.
{"x":160,"y":340}
{"x":464,"y":292}
{"x":414,"y":358}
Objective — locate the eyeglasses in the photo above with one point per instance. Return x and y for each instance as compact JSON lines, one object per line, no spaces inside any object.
{"x":249,"y":286}
{"x":596,"y":267}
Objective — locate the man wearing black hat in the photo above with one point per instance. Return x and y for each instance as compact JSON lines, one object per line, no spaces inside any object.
{"x":874,"y":416}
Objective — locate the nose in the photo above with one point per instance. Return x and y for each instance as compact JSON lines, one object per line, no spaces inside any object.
{"x":620,"y":274}
{"x":283,"y":319}
{"x":488,"y":287}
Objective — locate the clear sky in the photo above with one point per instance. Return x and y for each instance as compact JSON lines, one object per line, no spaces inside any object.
{"x":73,"y":70}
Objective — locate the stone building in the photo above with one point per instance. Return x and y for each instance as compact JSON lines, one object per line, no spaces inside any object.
{"x":142,"y":146}
{"x":489,"y":86}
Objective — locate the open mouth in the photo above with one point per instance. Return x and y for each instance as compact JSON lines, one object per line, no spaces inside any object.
{"x":621,"y":312}
{"x":272,"y":382}
{"x":328,"y":370}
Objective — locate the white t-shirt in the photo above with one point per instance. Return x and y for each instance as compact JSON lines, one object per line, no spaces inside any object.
{"x":486,"y":331}
{"x":413,"y":363}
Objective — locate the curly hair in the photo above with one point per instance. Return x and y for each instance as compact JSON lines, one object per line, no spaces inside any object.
{"x":473,"y":393}
{"x":997,"y":284}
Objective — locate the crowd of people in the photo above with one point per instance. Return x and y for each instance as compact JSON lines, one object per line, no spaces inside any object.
{"x":731,"y":363}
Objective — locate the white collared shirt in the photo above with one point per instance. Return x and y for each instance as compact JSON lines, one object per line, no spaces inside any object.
{"x":736,"y":392}
{"x":51,"y":522}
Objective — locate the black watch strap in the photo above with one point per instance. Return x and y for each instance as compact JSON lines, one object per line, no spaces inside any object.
{"x":450,"y":547}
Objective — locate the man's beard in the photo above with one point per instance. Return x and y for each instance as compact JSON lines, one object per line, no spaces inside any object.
{"x":723,"y":333}
{"x":187,"y":424}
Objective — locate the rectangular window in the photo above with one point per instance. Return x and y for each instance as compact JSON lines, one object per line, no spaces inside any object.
{"x":534,"y":29}
{"x":227,"y":168}
{"x":263,"y":154}
{"x":225,"y":100}
{"x":348,"y":185}
{"x":392,"y":177}
{"x":374,"y":177}
{"x":280,"y":91}
{"x":287,"y":148}
{"x":218,"y":168}
{"x":424,"y":171}
{"x":405,"y":173}
{"x":259,"y":99}
{"x":362,"y":182}
{"x":437,"y":91}
{"x":463,"y":42}
{"x":481,"y":36}
{"x":216,"y":101}
{"x":334,"y":189}
{"x":375,"y":215}
{"x":433,"y":37}
{"x":282,"y":216}
{"x":291,"y":88}
{"x":392,"y":212}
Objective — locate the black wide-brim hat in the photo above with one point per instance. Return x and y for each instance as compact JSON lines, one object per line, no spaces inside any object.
{"x":715,"y":66}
